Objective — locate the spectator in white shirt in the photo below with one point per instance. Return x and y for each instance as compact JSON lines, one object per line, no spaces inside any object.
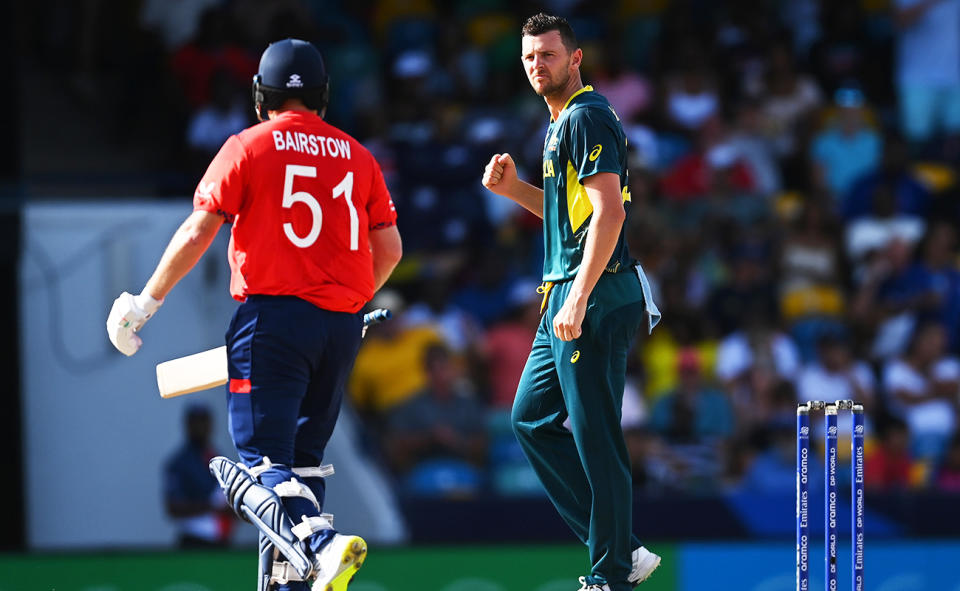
{"x":922,"y":388}
{"x":752,"y":363}
{"x":836,"y":374}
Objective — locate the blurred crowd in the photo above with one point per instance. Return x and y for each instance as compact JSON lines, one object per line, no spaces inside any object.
{"x":794,"y":199}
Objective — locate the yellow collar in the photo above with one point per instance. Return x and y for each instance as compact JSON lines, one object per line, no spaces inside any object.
{"x":586,"y":88}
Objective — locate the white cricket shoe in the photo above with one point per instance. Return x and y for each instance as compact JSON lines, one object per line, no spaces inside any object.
{"x":337,"y":562}
{"x":644,"y":563}
{"x":594,"y":587}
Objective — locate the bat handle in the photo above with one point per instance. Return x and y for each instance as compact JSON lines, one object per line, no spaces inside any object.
{"x":377,"y":316}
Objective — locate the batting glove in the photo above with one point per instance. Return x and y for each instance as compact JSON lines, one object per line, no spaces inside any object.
{"x":127,"y":315}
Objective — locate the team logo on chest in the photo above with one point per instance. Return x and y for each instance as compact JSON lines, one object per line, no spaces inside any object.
{"x":552,"y":144}
{"x":548,"y":166}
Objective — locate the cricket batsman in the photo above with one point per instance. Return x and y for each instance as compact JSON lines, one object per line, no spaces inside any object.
{"x":313,"y":236}
{"x":595,"y":298}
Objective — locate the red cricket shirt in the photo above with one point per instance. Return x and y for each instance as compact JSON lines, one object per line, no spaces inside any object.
{"x":302,"y":196}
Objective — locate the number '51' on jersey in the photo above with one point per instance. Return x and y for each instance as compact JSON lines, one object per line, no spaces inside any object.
{"x":302,"y":197}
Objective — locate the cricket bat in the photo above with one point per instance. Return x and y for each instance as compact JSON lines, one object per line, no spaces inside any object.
{"x":208,"y":369}
{"x":200,"y":371}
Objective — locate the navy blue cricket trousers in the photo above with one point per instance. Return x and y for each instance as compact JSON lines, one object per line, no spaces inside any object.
{"x":288,"y":363}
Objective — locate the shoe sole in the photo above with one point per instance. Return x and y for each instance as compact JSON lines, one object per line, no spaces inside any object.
{"x":351,"y":560}
{"x":644,"y":578}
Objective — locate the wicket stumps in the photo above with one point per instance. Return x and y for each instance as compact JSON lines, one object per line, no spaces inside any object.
{"x":830,"y":495}
{"x":830,"y":411}
{"x":858,"y":500}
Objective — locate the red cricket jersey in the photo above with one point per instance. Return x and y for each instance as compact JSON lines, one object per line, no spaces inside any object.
{"x":302,"y":196}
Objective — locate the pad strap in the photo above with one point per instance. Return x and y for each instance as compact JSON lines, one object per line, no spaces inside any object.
{"x":310,"y":525}
{"x":295,"y":488}
{"x":255,"y":471}
{"x":315,"y":471}
{"x":283,"y":573}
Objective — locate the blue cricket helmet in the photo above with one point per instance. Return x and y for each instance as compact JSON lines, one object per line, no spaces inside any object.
{"x":291,"y":68}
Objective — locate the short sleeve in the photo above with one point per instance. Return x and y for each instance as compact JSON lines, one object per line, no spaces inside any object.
{"x":380,"y":210}
{"x":594,"y":144}
{"x":221,"y":189}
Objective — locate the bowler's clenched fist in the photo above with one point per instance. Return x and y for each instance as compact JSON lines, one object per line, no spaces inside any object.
{"x":500,"y":175}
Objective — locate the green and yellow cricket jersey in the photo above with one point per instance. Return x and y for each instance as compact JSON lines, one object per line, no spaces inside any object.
{"x":586,"y":139}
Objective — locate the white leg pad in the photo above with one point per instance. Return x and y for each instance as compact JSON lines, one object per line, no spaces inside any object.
{"x":295,"y":488}
{"x":315,"y":471}
{"x":310,"y":525}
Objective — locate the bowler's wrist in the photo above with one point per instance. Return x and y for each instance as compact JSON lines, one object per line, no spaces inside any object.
{"x":578,"y":296}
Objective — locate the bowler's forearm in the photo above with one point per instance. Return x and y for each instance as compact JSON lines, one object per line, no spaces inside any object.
{"x":527,"y":196}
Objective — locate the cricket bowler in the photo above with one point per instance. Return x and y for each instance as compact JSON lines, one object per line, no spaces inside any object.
{"x":595,"y":299}
{"x":313,"y":236}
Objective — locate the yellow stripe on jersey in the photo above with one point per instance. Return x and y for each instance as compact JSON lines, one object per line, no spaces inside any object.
{"x":579,"y":207}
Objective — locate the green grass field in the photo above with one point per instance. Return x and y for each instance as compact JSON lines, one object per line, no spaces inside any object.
{"x":500,"y":568}
{"x":918,"y":565}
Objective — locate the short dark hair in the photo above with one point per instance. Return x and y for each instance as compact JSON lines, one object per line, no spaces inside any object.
{"x":541,"y":23}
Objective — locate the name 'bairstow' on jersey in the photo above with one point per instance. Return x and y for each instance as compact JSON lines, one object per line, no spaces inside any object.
{"x":309,"y":143}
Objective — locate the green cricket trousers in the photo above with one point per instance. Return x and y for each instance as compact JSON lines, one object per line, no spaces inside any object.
{"x":586,"y":470}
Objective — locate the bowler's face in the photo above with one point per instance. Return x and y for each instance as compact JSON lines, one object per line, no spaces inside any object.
{"x":546,"y":62}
